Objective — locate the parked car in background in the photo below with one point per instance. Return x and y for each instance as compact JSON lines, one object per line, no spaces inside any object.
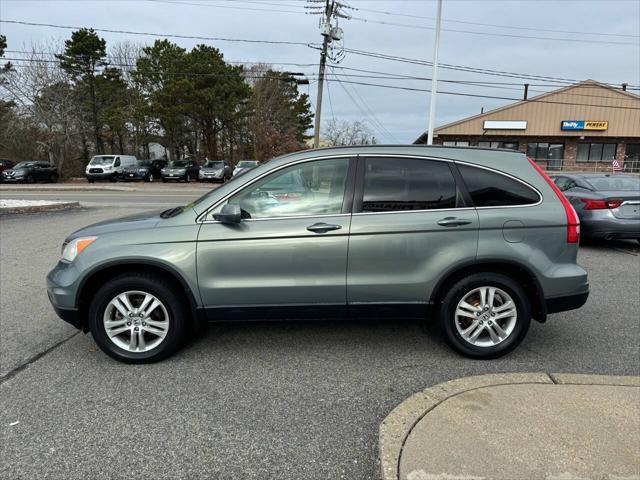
{"x":608,"y":204}
{"x":178,"y":170}
{"x":5,"y":164}
{"x":108,"y":167}
{"x":479,"y":240}
{"x":216,"y":171}
{"x":244,"y":166}
{"x":31,"y":172}
{"x":145,"y":170}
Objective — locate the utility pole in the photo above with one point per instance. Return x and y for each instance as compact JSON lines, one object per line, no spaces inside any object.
{"x":323,"y":62}
{"x":330,"y":33}
{"x":434,"y":76}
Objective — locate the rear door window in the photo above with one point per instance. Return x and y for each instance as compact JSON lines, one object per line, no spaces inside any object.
{"x":401,"y":184}
{"x":492,"y":189}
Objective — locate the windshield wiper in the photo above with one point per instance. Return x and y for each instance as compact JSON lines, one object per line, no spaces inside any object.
{"x":172,"y":212}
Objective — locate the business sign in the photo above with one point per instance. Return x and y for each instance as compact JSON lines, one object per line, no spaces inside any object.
{"x":505,"y":125}
{"x":584,"y":125}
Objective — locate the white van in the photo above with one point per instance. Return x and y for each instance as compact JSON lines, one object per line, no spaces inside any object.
{"x":108,"y":167}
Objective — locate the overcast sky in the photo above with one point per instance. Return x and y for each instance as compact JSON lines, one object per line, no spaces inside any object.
{"x":613,"y":58}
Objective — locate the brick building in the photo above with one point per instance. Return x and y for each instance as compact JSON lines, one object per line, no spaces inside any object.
{"x":580,"y":127}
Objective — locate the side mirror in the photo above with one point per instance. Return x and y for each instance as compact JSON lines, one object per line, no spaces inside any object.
{"x":230,"y":213}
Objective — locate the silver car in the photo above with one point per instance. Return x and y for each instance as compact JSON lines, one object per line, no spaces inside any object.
{"x":608,"y":204}
{"x":480,"y":241}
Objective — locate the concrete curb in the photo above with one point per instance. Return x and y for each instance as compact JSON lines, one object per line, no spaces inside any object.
{"x":55,"y":188}
{"x":40,"y":208}
{"x":396,"y":427}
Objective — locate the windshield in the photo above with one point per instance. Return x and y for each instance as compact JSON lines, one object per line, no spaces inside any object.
{"x":145,"y":163}
{"x":102,"y":160}
{"x":178,"y":164}
{"x":615,"y":183}
{"x":214,"y":165}
{"x":247,"y":164}
{"x":23,"y":165}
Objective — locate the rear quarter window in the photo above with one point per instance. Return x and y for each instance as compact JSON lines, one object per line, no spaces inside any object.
{"x":492,"y":189}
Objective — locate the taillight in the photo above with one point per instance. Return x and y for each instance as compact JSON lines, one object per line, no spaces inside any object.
{"x":573,"y":223}
{"x":600,"y":204}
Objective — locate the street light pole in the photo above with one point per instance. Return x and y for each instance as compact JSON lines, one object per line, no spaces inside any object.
{"x":434,"y":76}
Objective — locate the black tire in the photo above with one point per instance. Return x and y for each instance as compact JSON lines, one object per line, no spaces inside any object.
{"x":113,"y":178}
{"x":90,"y":180}
{"x":177,"y":311}
{"x":458,"y":290}
{"x":187,"y":178}
{"x":150,"y":178}
{"x":164,"y":180}
{"x":30,"y":179}
{"x":54,"y":178}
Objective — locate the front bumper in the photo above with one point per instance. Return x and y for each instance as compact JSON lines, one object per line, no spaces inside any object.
{"x":13,"y":179}
{"x":62,"y":284}
{"x":212,"y":177}
{"x":133,"y":176}
{"x":100,"y":176}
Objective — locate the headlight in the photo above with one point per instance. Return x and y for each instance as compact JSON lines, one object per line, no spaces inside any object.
{"x":19,"y":173}
{"x":71,"y":250}
{"x":107,"y":168}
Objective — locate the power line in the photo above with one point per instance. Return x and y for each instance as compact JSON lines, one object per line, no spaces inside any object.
{"x":383,"y":56}
{"x":421,"y":26}
{"x":536,"y":29}
{"x":530,"y":100}
{"x":492,"y":34}
{"x":368,"y":109}
{"x":151,"y":34}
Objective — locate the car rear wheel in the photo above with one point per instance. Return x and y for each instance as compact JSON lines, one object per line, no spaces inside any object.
{"x":150,"y":178}
{"x":485,"y":315}
{"x":30,"y":179}
{"x":136,"y":318}
{"x":187,"y":178}
{"x":54,"y":178}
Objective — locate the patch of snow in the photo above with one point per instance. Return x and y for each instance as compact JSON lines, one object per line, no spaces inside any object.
{"x":9,"y":203}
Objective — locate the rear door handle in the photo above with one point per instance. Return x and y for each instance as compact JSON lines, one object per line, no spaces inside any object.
{"x":453,"y":222}
{"x":323,"y":227}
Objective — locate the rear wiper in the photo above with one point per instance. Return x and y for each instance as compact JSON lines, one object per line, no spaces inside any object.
{"x":172,"y":212}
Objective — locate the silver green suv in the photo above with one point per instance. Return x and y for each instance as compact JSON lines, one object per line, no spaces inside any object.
{"x":479,"y":240}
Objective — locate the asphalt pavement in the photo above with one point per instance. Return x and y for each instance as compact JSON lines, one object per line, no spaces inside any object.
{"x":132,"y":195}
{"x":250,"y":400}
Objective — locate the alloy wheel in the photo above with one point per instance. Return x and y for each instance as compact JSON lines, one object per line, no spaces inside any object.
{"x":486,"y":316}
{"x":136,"y":321}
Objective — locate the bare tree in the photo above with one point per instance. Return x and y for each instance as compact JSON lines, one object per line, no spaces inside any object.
{"x":41,"y":91}
{"x":343,"y":132}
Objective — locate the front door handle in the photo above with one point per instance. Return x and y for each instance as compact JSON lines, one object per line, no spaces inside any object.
{"x":453,"y":222}
{"x":323,"y":227}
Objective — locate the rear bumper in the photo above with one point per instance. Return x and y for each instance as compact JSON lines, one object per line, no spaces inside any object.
{"x":567,"y":302}
{"x":603,"y":224}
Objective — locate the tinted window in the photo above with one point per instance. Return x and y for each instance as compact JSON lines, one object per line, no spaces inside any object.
{"x":396,"y":184}
{"x":489,"y":189}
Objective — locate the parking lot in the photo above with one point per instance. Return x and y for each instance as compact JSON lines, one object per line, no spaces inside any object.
{"x":247,"y":400}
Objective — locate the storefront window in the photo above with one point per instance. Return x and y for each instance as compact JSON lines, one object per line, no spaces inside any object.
{"x":545,"y":151}
{"x":455,"y":144}
{"x":632,"y":157}
{"x":596,"y":152}
{"x":508,"y":145}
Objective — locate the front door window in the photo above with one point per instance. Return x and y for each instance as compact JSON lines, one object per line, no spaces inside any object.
{"x":307,"y":189}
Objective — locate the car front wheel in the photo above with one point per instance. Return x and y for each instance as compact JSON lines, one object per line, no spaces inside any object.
{"x":187,"y":178}
{"x":150,"y":178}
{"x":485,"y":315}
{"x":137,"y":318}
